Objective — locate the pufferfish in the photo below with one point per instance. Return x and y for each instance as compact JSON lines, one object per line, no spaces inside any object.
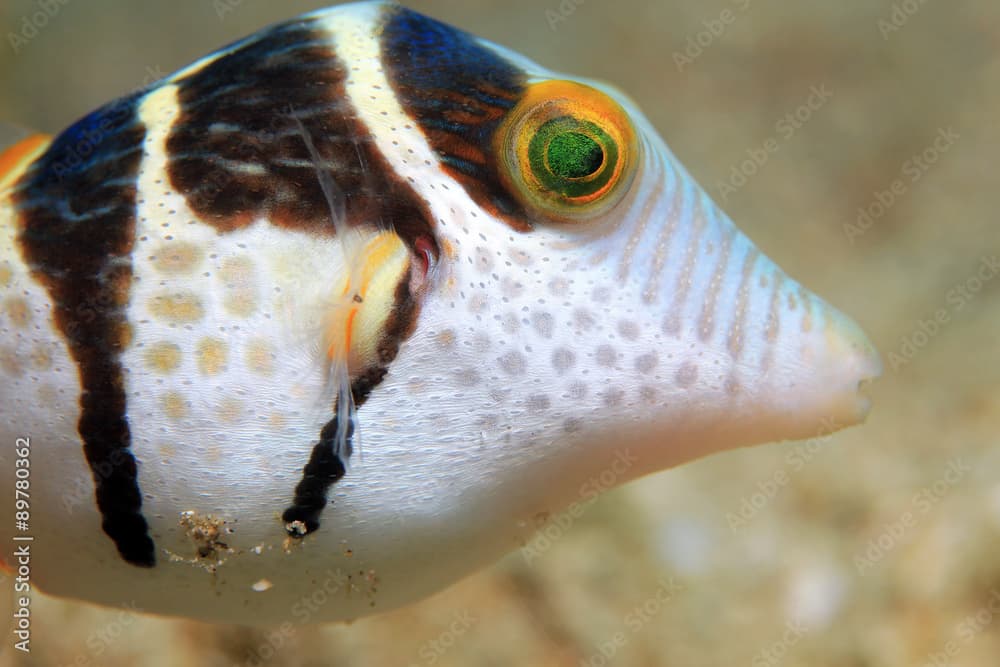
{"x":350,"y":304}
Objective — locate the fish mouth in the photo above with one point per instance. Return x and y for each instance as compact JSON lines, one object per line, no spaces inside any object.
{"x":866,"y":368}
{"x":863,"y":392}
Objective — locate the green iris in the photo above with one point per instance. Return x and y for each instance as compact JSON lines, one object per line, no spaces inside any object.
{"x":573,"y":155}
{"x":572,"y":158}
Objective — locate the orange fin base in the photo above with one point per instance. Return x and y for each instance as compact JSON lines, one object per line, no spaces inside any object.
{"x":16,"y":159}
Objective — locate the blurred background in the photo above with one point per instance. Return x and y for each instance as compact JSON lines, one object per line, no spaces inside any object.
{"x":876,"y":546}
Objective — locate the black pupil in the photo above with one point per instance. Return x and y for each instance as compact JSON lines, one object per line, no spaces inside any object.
{"x":574,"y":155}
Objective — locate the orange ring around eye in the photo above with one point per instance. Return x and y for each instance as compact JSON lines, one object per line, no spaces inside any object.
{"x":578,"y":129}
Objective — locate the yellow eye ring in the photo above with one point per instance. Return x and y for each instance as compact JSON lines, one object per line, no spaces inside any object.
{"x":567,"y":150}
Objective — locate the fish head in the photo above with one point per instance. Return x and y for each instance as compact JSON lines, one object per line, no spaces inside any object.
{"x":589,"y":296}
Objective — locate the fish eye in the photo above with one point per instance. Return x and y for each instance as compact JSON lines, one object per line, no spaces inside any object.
{"x":567,"y":150}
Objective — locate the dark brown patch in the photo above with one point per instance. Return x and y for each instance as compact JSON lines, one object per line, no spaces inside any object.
{"x":77,"y":212}
{"x":458,"y":91}
{"x":237,"y":153}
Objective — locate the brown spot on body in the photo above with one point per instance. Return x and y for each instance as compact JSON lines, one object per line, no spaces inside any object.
{"x":240,"y":302}
{"x":240,"y":291}
{"x":177,"y":307}
{"x":628,"y":330}
{"x":446,"y":339}
{"x":177,"y":258}
{"x":17,"y":311}
{"x":174,"y":406}
{"x":163,"y":357}
{"x":687,"y":375}
{"x":41,"y":358}
{"x":10,"y":364}
{"x":6,"y":275}
{"x":47,"y":394}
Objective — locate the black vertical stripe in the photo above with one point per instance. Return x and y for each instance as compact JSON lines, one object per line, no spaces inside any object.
{"x":77,"y":208}
{"x":324,"y":468}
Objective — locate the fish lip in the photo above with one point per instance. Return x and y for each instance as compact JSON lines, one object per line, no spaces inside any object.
{"x":870,"y":374}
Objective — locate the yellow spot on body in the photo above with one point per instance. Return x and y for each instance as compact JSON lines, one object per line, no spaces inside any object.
{"x":241,"y":303}
{"x":260,"y":357}
{"x":6,"y":275}
{"x":167,"y":451}
{"x":446,"y":338}
{"x":174,"y":405}
{"x":277,"y":421}
{"x":178,"y":257}
{"x":230,"y":409}
{"x":236,"y":269}
{"x":41,"y":358}
{"x":163,"y":357}
{"x":178,"y":307}
{"x":240,"y":297}
{"x":47,"y":394}
{"x":18,"y":312}
{"x":449,"y":250}
{"x":10,"y":364}
{"x":211,"y":356}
